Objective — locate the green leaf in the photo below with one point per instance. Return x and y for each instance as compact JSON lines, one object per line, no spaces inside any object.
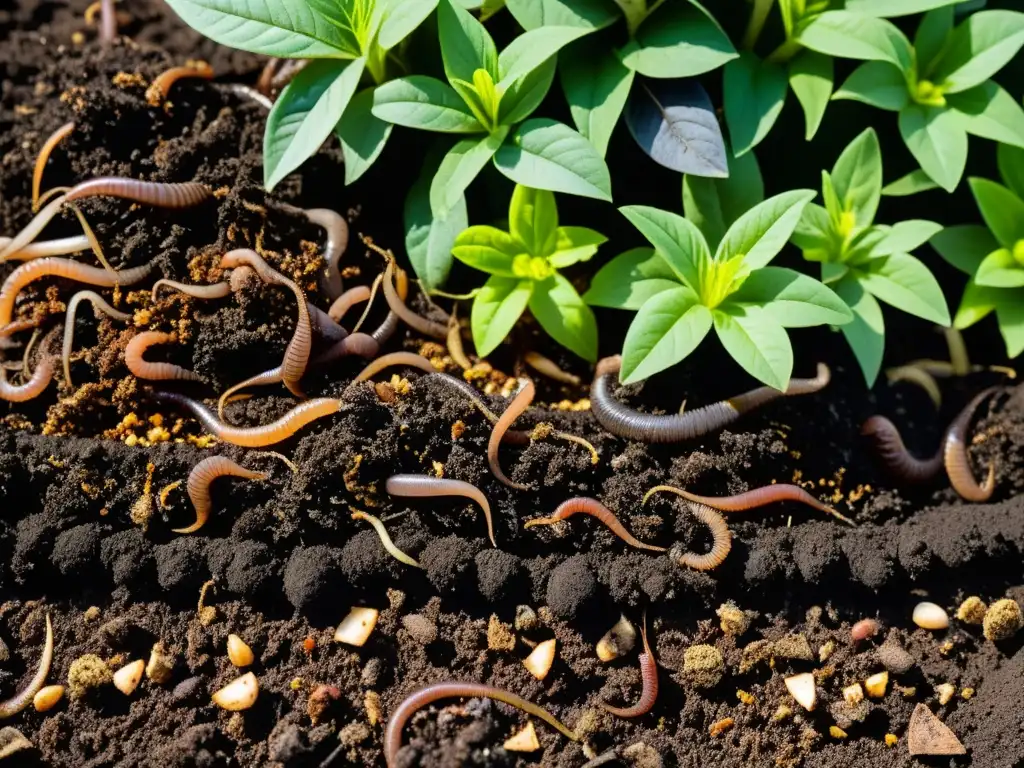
{"x":866,"y":333}
{"x":714,"y":204}
{"x":759,"y":234}
{"x":575,"y":244}
{"x":630,"y":280}
{"x":905,"y":236}
{"x":890,"y":8}
{"x":1011,"y":326}
{"x":590,"y":14}
{"x":459,"y":167}
{"x":755,"y":92}
{"x":401,"y":19}
{"x":964,"y":246}
{"x":524,"y":96}
{"x":429,"y":239}
{"x":1002,"y":210}
{"x":596,"y":85}
{"x":1011,"y":167}
{"x":811,"y":77}
{"x":932,"y":33}
{"x":667,"y":328}
{"x":531,"y":49}
{"x":305,"y":113}
{"x":496,"y":308}
{"x":914,"y":182}
{"x":546,"y":154}
{"x":990,"y":112}
{"x":905,"y":283}
{"x":466,"y":46}
{"x":792,"y":299}
{"x":877,"y":83}
{"x":854,"y":36}
{"x":362,"y":135}
{"x":976,"y":304}
{"x":982,"y":45}
{"x":676,"y":240}
{"x":488,"y":249}
{"x":815,"y":236}
{"x":857,"y":177}
{"x":832,"y":204}
{"x":533,"y":220}
{"x":757,"y":342}
{"x":679,"y":39}
{"x":285,"y":28}
{"x":937,"y":141}
{"x":562,"y":313}
{"x":1000,"y":270}
{"x":426,"y":103}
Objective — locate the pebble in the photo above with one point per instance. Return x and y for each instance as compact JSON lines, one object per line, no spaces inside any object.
{"x":13,"y":741}
{"x":1002,"y":620}
{"x":894,"y":658}
{"x":927,"y":735}
{"x":930,"y":616}
{"x":422,"y":629}
{"x":160,"y":664}
{"x":185,"y":690}
{"x":793,"y":647}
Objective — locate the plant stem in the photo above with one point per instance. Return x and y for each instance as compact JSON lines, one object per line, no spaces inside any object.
{"x":758,"y":17}
{"x":446,"y":295}
{"x":785,"y":52}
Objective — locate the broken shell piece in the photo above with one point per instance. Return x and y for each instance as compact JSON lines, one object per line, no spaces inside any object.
{"x":128,"y":677}
{"x":524,"y":741}
{"x":853,"y":694}
{"x":357,"y":627}
{"x":541,"y":658}
{"x":239,"y":694}
{"x":801,"y":687}
{"x":927,"y":735}
{"x":876,"y":685}
{"x":930,"y":616}
{"x":617,"y":641}
{"x":239,"y":653}
{"x":47,"y":698}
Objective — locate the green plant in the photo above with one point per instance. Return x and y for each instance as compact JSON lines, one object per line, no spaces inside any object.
{"x":865,"y":262}
{"x":523,"y":265}
{"x":680,"y":290}
{"x":993,"y":255}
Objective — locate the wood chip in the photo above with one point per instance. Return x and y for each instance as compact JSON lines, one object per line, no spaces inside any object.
{"x":927,"y":735}
{"x":524,"y":741}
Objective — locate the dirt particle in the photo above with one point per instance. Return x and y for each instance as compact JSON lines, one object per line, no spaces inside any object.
{"x":734,"y":621}
{"x":500,"y":575}
{"x":945,"y":692}
{"x":420,"y":628}
{"x":721,"y":726}
{"x":447,"y":560}
{"x":826,"y":650}
{"x":353,"y":734}
{"x":893,"y":657}
{"x":526,"y":618}
{"x":972,"y":610}
{"x":77,"y":550}
{"x":371,"y":702}
{"x":641,"y":755}
{"x":754,"y":653}
{"x":160,"y":664}
{"x":312,"y":575}
{"x":320,"y":701}
{"x":1002,"y":620}
{"x":793,"y":647}
{"x":703,"y":666}
{"x":91,"y":614}
{"x":572,"y":588}
{"x":88,"y":672}
{"x":499,"y":635}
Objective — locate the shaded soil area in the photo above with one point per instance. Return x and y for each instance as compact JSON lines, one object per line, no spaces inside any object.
{"x":87,"y":490}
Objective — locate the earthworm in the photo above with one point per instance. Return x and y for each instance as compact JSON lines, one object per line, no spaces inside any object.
{"x":273,"y":376}
{"x":721,"y":540}
{"x":213,"y":291}
{"x":61,"y":246}
{"x":346,"y":300}
{"x":323,"y":325}
{"x":595,"y":509}
{"x":549,"y":368}
{"x":649,"y":676}
{"x":198,"y":487}
{"x":919,"y":376}
{"x":160,"y":194}
{"x":255,"y":437}
{"x":100,"y":305}
{"x":454,"y":344}
{"x":425,"y":485}
{"x":157,"y":92}
{"x":416,"y":322}
{"x":954,"y":454}
{"x":359,"y":344}
{"x":51,"y":266}
{"x":37,"y":383}
{"x":625,"y":422}
{"x":511,"y":436}
{"x":267,"y":74}
{"x":24,"y":697}
{"x":108,"y":22}
{"x":452,"y":690}
{"x":895,"y":457}
{"x":337,"y":241}
{"x":296,"y":354}
{"x":142,"y":369}
{"x":385,"y":539}
{"x":394,"y":358}
{"x":54,"y":139}
{"x":758,"y":497}
{"x":390,"y":324}
{"x":249,"y":93}
{"x":515,"y":408}
{"x":33,"y":228}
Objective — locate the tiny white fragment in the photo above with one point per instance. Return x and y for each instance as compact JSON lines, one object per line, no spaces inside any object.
{"x":239,"y":694}
{"x":541,"y":658}
{"x":128,"y":677}
{"x":802,"y":688}
{"x":357,"y":627}
{"x":524,"y":741}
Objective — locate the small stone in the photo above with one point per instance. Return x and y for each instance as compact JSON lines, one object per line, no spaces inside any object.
{"x":734,"y":621}
{"x":499,"y":635}
{"x":87,"y":672}
{"x":836,"y":732}
{"x":864,"y":629}
{"x":353,"y":734}
{"x":930,"y":616}
{"x":803,"y":688}
{"x":703,"y":666}
{"x":846,"y":714}
{"x":1002,"y":620}
{"x":853,"y":694}
{"x":876,"y":684}
{"x":755,"y":652}
{"x":641,"y":755}
{"x":617,"y":641}
{"x":894,"y":658}
{"x":972,"y":610}
{"x":826,"y":650}
{"x":945,"y":692}
{"x":320,"y":701}
{"x":422,"y":629}
{"x":793,"y":647}
{"x":48,"y":697}
{"x":927,"y":735}
{"x":523,"y":741}
{"x":160,"y":665}
{"x":13,"y":741}
{"x":967,"y":693}
{"x":185,"y":690}
{"x":526,"y":618}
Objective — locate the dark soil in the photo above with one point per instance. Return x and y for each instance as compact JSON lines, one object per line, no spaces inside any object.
{"x":85,"y":535}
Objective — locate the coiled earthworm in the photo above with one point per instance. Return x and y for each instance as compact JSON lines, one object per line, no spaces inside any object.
{"x":213,"y":291}
{"x":296,"y":354}
{"x":385,"y":538}
{"x":595,"y":509}
{"x":337,"y":241}
{"x":549,"y":368}
{"x":515,"y":408}
{"x":649,"y":677}
{"x":60,"y":246}
{"x":457,"y":690}
{"x":198,"y":487}
{"x":142,"y":369}
{"x":160,"y":194}
{"x":51,"y":142}
{"x":358,"y":344}
{"x":894,"y":456}
{"x":23,"y":698}
{"x":625,"y":422}
{"x":100,"y":305}
{"x":33,"y":228}
{"x":720,"y":536}
{"x":35,"y":386}
{"x":758,"y":497}
{"x":394,"y":358}
{"x":956,"y":460}
{"x":157,"y":92}
{"x":255,"y":437}
{"x":346,"y":300}
{"x":416,"y":322}
{"x":424,"y":485}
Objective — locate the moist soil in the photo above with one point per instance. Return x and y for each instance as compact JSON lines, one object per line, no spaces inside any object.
{"x":86,"y":476}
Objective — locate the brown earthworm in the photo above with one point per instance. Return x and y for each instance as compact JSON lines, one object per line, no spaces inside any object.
{"x":385,"y":538}
{"x":100,"y":305}
{"x":141,"y":369}
{"x":894,"y":456}
{"x":54,"y":139}
{"x":625,"y":422}
{"x":425,"y":485}
{"x":37,"y":383}
{"x":255,"y":437}
{"x":157,"y":92}
{"x":956,"y":460}
{"x":511,"y":436}
{"x":595,"y":509}
{"x":515,"y":408}
{"x":337,"y":241}
{"x":323,"y":325}
{"x":108,"y":22}
{"x":161,"y":194}
{"x":346,"y":300}
{"x":23,"y":698}
{"x":416,"y":322}
{"x":72,"y":270}
{"x":550,"y":369}
{"x":394,"y":358}
{"x":273,"y":376}
{"x":60,"y":246}
{"x":919,"y":376}
{"x":721,"y":540}
{"x":649,"y":676}
{"x":359,"y":344}
{"x":390,"y":324}
{"x":758,"y":497}
{"x":453,"y":690}
{"x":296,"y":354}
{"x":198,"y":487}
{"x":213,"y":291}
